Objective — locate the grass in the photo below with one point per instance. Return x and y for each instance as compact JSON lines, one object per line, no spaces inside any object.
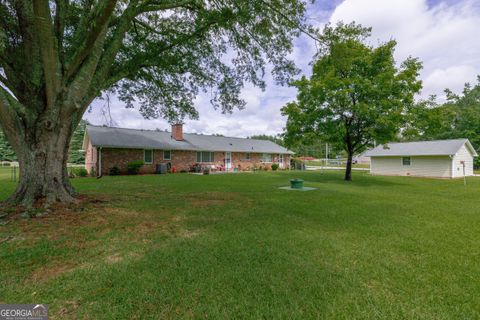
{"x":235,"y":246}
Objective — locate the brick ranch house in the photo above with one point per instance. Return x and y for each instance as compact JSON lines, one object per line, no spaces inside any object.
{"x":115,"y":147}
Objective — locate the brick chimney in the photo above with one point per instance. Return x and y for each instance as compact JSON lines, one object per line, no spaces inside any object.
{"x":177,"y":131}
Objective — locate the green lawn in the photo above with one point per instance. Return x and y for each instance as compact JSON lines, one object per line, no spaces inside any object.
{"x":235,"y":246}
{"x":5,"y":173}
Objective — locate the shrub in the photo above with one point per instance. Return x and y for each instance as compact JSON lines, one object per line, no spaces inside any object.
{"x":78,"y":172}
{"x":114,"y":171}
{"x":134,"y":166}
{"x":274,"y":166}
{"x":82,"y":172}
{"x":297,"y":164}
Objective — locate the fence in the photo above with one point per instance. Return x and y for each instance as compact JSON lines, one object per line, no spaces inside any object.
{"x":15,"y":169}
{"x":319,"y":164}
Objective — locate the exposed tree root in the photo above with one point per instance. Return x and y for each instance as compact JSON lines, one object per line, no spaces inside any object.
{"x":33,"y":201}
{"x":9,"y":210}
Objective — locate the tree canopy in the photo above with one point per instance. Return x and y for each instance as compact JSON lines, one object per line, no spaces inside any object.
{"x":159,"y":53}
{"x":457,"y":117}
{"x":356,"y":94}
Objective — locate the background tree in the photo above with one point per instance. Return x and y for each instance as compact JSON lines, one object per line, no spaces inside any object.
{"x":356,"y":94}
{"x":57,"y":56}
{"x":457,"y":117}
{"x":274,"y":138}
{"x":427,"y":120}
{"x":6,"y":151}
{"x":76,"y":153}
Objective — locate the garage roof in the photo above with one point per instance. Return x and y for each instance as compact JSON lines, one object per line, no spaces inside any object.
{"x":421,"y":148}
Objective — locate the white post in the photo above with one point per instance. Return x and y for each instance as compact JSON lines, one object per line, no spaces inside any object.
{"x":99,"y":174}
{"x":326,"y":154}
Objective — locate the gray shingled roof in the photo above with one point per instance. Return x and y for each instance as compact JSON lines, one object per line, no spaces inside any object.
{"x":149,"y":139}
{"x":420,"y":148}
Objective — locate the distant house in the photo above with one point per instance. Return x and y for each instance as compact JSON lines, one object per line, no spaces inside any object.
{"x":439,"y":159}
{"x":115,"y":147}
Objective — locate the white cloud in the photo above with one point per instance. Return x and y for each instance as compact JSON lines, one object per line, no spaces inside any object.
{"x":451,"y":77}
{"x":444,"y":37}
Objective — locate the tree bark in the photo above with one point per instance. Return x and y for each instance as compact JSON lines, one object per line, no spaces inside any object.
{"x":43,"y":166}
{"x":348,"y":170}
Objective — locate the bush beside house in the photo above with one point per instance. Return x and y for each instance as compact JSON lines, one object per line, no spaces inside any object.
{"x":133,"y":167}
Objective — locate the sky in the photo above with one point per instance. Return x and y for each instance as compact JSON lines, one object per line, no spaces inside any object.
{"x":442,"y":34}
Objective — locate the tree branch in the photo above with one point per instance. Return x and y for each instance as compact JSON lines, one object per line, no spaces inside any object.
{"x":78,"y":90}
{"x":293,"y":23}
{"x":59,"y":23}
{"x":99,"y":24}
{"x":6,"y":83}
{"x":48,"y":50}
{"x":153,"y":5}
{"x":146,"y":26}
{"x":123,"y":24}
{"x":110,"y":81}
{"x":10,"y":117}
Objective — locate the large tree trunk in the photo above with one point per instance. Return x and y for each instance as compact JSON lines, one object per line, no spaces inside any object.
{"x":348,"y":169}
{"x":43,"y":166}
{"x":49,"y":89}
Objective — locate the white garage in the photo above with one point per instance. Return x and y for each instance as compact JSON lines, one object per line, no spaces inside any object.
{"x":438,"y":159}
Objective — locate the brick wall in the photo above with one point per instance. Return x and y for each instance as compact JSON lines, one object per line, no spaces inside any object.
{"x":121,"y":157}
{"x":91,"y":158}
{"x":180,"y":159}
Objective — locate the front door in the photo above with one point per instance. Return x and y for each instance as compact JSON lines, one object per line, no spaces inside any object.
{"x":280,"y":161}
{"x":228,"y":160}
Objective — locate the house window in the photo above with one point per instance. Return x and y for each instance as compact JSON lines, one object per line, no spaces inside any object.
{"x":406,"y":161}
{"x":266,"y":157}
{"x":247,"y":156}
{"x":167,"y":155}
{"x":148,"y":156}
{"x":205,"y":156}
